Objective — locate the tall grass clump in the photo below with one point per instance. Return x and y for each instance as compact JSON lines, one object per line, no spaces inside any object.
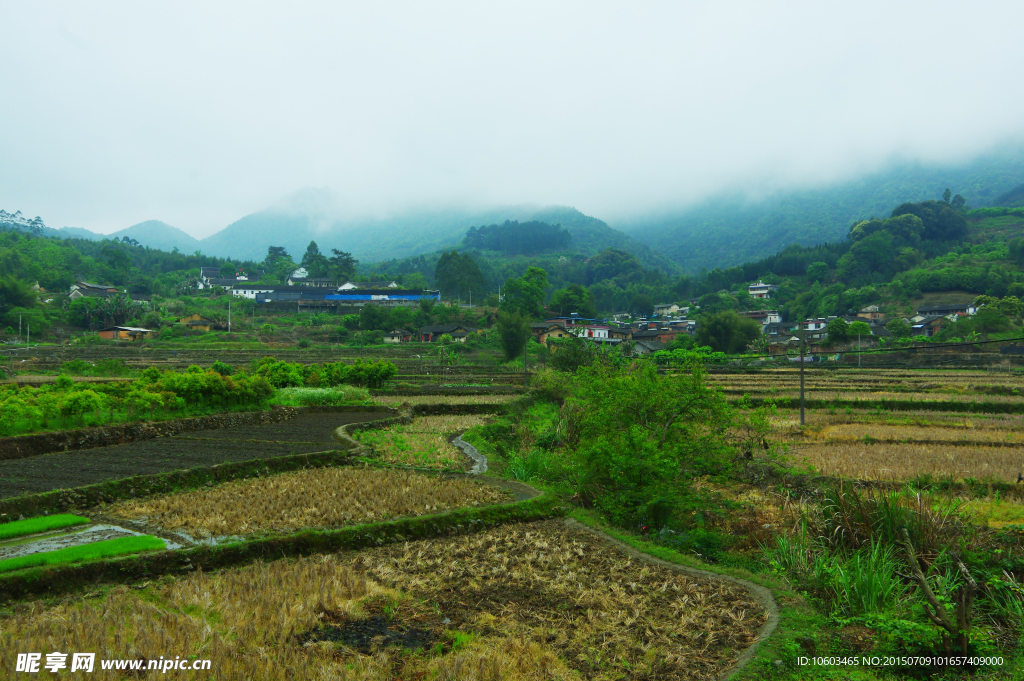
{"x":325,"y":397}
{"x":884,"y":559}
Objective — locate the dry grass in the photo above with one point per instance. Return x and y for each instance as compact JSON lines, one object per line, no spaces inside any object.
{"x":398,"y":400}
{"x":322,"y":497}
{"x":965,"y":434}
{"x":905,"y":461}
{"x":541,"y":601}
{"x":423,"y":443}
{"x":876,"y":396}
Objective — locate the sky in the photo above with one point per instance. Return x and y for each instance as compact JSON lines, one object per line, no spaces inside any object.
{"x":197,"y":113}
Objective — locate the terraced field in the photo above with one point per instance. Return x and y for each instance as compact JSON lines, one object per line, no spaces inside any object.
{"x":977,"y":432}
{"x":534,"y":601}
{"x":314,"y":498}
{"x":424,"y":443}
{"x":305,"y":433}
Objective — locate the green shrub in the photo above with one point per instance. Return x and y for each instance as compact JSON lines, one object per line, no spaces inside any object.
{"x":316,"y":397}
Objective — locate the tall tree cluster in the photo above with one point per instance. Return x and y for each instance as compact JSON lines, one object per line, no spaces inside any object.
{"x":458,"y":275}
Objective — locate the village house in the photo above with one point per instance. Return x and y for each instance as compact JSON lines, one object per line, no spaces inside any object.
{"x":945,"y":309}
{"x":132,"y":333}
{"x":871,"y":312}
{"x":398,"y":336}
{"x":620,"y":333}
{"x":313,"y":282}
{"x":197,"y":322}
{"x":815,"y":329}
{"x":84,"y":289}
{"x":762,"y":290}
{"x":666,"y":310}
{"x":763,"y":317}
{"x":928,"y":326}
{"x":647,"y":335}
{"x":459,"y":333}
{"x":642,"y":348}
{"x":349,"y":285}
{"x":210,"y":277}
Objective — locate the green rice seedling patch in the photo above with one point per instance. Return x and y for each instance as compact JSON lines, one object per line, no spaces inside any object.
{"x":20,"y":528}
{"x":75,"y":554}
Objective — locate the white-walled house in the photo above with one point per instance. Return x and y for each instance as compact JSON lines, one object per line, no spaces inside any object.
{"x":762,"y":290}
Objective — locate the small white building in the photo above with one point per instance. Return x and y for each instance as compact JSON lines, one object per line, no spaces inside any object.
{"x":762,"y":290}
{"x":372,"y":285}
{"x":250,"y":290}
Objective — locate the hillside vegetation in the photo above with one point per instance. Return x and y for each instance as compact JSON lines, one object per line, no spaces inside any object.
{"x":734,"y":228}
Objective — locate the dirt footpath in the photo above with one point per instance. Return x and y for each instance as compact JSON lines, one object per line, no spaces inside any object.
{"x":302,"y":434}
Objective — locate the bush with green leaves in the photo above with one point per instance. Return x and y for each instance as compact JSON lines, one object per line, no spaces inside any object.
{"x":322,"y":397}
{"x":155,"y":392}
{"x":293,"y":374}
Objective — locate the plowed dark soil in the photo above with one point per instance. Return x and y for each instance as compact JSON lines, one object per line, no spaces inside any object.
{"x":305,"y":433}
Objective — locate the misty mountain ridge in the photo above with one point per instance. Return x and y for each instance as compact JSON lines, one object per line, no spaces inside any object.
{"x":731,"y":228}
{"x":293,"y":224}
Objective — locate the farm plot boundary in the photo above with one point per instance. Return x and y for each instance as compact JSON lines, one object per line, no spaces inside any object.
{"x":88,"y":496}
{"x":980,"y":407}
{"x":24,"y":446}
{"x":813,"y":486}
{"x":343,"y":434}
{"x":56,"y":580}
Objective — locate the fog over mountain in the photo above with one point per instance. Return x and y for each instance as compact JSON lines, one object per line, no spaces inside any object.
{"x":425,"y":119}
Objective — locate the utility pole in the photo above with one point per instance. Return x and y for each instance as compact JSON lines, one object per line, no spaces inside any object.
{"x":526,"y":357}
{"x":802,"y":347}
{"x":229,"y":316}
{"x":858,"y":351}
{"x":28,"y":338}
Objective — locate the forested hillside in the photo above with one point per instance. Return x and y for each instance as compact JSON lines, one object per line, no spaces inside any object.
{"x":732,"y":229}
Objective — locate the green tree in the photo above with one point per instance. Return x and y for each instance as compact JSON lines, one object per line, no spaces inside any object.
{"x":315,"y":262}
{"x":1010,"y":306}
{"x":573,"y":298}
{"x":642,"y":437}
{"x":374,"y":317}
{"x":513,"y":331}
{"x":457,"y":275}
{"x":525,"y":294}
{"x":838,"y":330}
{"x":859,"y":329}
{"x":898,"y":328}
{"x":620,"y":266}
{"x":641,"y":305}
{"x":726,"y":331}
{"x":274,"y":254}
{"x":342,"y":264}
{"x":15,"y":293}
{"x":817,"y":271}
{"x":946,"y":195}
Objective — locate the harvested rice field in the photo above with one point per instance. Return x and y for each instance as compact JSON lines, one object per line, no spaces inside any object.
{"x":398,"y":400}
{"x":880,"y":461}
{"x":422,"y":443}
{"x":313,"y":498}
{"x":967,"y":433}
{"x":533,"y":601}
